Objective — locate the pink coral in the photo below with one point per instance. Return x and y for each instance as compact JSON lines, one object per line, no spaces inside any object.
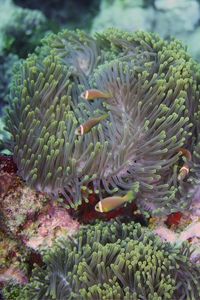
{"x":50,"y":224}
{"x":13,"y":274}
{"x":190,"y":233}
{"x":165,"y":234}
{"x":19,"y":204}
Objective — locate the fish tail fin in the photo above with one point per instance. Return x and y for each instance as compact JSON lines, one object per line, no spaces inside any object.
{"x":105,"y":116}
{"x":130,"y":196}
{"x":107,"y":95}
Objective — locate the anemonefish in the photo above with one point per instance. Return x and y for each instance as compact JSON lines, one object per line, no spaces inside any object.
{"x":94,"y":94}
{"x":111,"y":203}
{"x":87,"y":126}
{"x":184,"y":170}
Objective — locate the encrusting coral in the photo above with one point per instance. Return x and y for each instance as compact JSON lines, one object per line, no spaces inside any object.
{"x":28,"y":224}
{"x":51,"y":223}
{"x":18,"y":201}
{"x":114,"y":260}
{"x":153,"y":88}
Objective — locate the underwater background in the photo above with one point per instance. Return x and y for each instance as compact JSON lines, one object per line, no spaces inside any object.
{"x":100,"y":149}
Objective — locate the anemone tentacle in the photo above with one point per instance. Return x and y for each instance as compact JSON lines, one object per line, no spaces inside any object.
{"x":153,"y":104}
{"x":115,"y":261}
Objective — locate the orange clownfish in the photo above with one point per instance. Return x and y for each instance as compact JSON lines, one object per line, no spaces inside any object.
{"x":184,"y":170}
{"x":87,"y":126}
{"x":111,"y":203}
{"x":94,"y":94}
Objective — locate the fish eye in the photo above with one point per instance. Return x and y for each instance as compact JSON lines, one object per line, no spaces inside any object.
{"x":97,"y":207}
{"x":83,"y":95}
{"x":78,"y":131}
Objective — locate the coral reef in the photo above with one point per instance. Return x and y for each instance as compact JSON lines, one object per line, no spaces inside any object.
{"x":21,"y":29}
{"x":184,"y":232}
{"x":7,"y":63}
{"x":126,"y":15}
{"x":180,"y":227}
{"x":186,"y":14}
{"x":8,"y":170}
{"x":65,"y":13}
{"x":51,"y":223}
{"x":89,"y":118}
{"x":168,"y":18}
{"x":13,"y":260}
{"x":17,"y":200}
{"x":8,"y":250}
{"x":17,"y":206}
{"x":115,"y":261}
{"x":4,"y":135}
{"x":154,"y":94}
{"x":29,"y":223}
{"x":14,"y":209}
{"x":28,"y":214}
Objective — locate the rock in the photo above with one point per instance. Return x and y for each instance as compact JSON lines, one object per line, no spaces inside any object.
{"x":126,"y":16}
{"x":192,"y":41}
{"x":173,"y":4}
{"x":176,"y":20}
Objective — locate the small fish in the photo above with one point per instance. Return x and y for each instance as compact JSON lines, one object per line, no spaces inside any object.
{"x":111,"y":203}
{"x":87,"y":126}
{"x":185,"y":169}
{"x":94,"y":94}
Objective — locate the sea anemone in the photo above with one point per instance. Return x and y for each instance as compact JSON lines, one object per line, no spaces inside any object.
{"x":152,"y":108}
{"x":115,"y":261}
